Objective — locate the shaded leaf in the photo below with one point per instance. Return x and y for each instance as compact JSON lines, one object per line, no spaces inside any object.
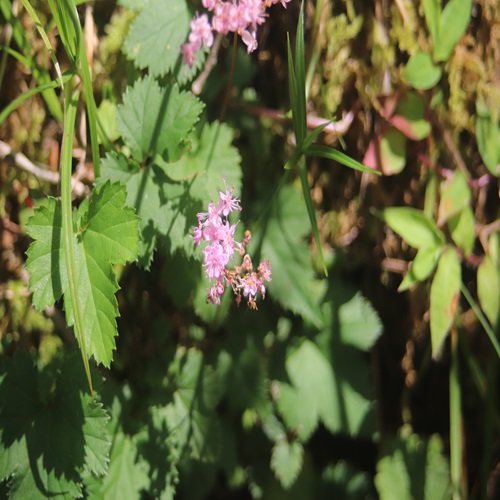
{"x":282,"y":236}
{"x":52,"y":431}
{"x":413,"y":468}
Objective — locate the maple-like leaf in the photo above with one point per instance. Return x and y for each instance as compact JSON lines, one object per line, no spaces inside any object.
{"x":167,"y":196}
{"x":155,"y":38}
{"x":106,"y":234}
{"x":157,"y":120}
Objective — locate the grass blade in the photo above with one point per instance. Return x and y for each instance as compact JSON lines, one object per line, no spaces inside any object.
{"x":310,"y":212}
{"x":24,"y":97}
{"x":338,"y":156}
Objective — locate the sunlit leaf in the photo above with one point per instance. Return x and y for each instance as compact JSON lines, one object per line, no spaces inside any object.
{"x":286,"y":461}
{"x":420,"y":72}
{"x":156,"y":36}
{"x":462,"y":229}
{"x":422,"y":266}
{"x":107,"y":235}
{"x":413,"y":226}
{"x":445,"y":290}
{"x":488,"y":139}
{"x":452,"y":25}
{"x":155,"y":120}
{"x":455,"y":195}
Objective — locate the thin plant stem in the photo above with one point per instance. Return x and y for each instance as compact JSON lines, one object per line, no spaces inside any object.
{"x":70,"y":107}
{"x":229,"y":81}
{"x":481,"y":317}
{"x":456,"y":437}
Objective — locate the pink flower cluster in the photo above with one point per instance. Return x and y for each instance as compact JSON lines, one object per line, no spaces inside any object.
{"x":236,"y":16}
{"x":215,"y":229}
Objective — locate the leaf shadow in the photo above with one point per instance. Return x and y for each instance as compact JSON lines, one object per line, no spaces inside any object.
{"x":42,"y":419}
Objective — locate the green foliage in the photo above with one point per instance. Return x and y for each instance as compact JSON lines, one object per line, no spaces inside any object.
{"x":52,"y":431}
{"x":420,"y":72}
{"x":413,"y":226}
{"x":445,"y":291}
{"x":156,"y":35}
{"x":488,"y":139}
{"x":282,"y":239}
{"x":413,"y":468}
{"x":106,"y":235}
{"x":154,"y":121}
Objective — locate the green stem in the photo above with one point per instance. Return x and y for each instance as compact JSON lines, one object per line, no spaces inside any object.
{"x":70,"y":107}
{"x":455,"y":420}
{"x":481,"y":317}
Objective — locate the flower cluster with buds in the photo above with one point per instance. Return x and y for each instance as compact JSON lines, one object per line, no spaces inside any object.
{"x":214,"y":228}
{"x":235,"y":16}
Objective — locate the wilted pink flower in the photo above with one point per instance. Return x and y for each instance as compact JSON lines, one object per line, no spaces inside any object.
{"x":214,"y":228}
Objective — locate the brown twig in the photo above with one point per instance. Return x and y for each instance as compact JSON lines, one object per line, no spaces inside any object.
{"x":211,"y":61}
{"x":40,"y":172}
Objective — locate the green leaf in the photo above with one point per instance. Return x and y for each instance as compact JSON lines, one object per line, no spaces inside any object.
{"x":409,"y":117}
{"x":106,"y":114}
{"x":422,"y":266}
{"x":420,"y":71}
{"x":107,"y":235}
{"x":52,"y":431}
{"x":338,"y":156}
{"x":286,"y":461}
{"x":167,"y":209}
{"x":413,"y":226}
{"x":461,"y":228}
{"x":154,"y":120}
{"x":488,"y":139}
{"x":46,"y":263}
{"x":392,"y":151}
{"x":445,"y":291}
{"x":127,"y":474}
{"x":455,"y":195}
{"x":191,"y":414}
{"x":413,"y":468}
{"x":212,"y":153}
{"x":432,"y":11}
{"x":323,"y":385}
{"x":283,"y":244}
{"x":156,"y":36}
{"x":453,"y":24}
{"x":488,"y":289}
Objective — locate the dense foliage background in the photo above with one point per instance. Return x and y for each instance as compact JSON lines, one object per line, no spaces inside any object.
{"x":375,"y":379}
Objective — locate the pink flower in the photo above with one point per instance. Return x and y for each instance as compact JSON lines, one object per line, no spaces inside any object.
{"x":214,"y":229}
{"x":235,"y":16}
